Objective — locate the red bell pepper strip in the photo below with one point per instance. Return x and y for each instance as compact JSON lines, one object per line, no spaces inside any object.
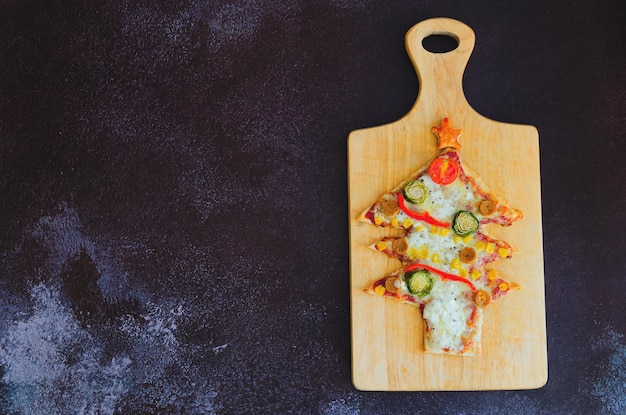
{"x":420,"y":216}
{"x":443,"y":275}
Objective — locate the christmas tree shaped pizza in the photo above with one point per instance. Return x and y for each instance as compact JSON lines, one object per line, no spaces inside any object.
{"x":447,"y":258}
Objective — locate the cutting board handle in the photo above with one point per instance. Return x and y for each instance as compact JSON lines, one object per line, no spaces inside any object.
{"x":440,"y":74}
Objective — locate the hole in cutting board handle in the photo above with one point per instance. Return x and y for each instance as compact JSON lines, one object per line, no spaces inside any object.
{"x":440,"y":43}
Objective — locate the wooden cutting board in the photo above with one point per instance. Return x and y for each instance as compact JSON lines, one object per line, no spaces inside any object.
{"x":387,"y":340}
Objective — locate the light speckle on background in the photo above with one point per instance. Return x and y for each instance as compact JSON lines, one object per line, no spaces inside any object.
{"x":607,"y":385}
{"x":61,"y":237}
{"x":345,"y":405}
{"x":53,"y":366}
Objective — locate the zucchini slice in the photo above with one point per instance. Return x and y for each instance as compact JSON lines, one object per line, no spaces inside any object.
{"x":465,"y":223}
{"x":415,"y":191}
{"x":419,"y":282}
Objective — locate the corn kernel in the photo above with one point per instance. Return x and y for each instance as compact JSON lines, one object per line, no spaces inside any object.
{"x":468,"y":239}
{"x":503,"y":286}
{"x":394,"y":222}
{"x":436,"y":258}
{"x":423,"y":253}
{"x":490,"y":247}
{"x":457,"y":239}
{"x":492,"y":274}
{"x":434,"y":229}
{"x":378,"y":220}
{"x":503,"y":252}
{"x":463,"y":272}
{"x":480,"y":245}
{"x":419,"y":228}
{"x":455,"y":263}
{"x":381,"y":246}
{"x":407,"y":223}
{"x":475,"y":274}
{"x":380,"y":290}
{"x":412,"y":253}
{"x":444,"y":231}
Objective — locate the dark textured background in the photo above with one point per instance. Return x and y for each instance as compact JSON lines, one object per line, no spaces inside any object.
{"x":173,"y":198}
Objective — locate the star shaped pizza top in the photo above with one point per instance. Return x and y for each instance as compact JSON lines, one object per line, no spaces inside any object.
{"x":448,"y":136}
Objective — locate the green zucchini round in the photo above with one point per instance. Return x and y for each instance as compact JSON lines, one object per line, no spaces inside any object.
{"x":465,"y":223}
{"x":415,"y":192}
{"x":419,"y":282}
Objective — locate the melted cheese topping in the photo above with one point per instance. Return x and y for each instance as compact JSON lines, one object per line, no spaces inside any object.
{"x":447,"y":315}
{"x":426,"y":241}
{"x":443,"y":202}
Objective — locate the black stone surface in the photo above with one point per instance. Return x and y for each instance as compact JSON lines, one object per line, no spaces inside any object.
{"x":173,"y":198}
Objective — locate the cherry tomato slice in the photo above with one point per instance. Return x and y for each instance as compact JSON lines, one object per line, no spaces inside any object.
{"x":443,"y":171}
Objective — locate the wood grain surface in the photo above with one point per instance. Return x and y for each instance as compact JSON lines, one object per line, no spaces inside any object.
{"x":387,"y":339}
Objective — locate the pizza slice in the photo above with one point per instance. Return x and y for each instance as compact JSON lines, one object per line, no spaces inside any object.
{"x":452,"y":318}
{"x":444,"y":249}
{"x":441,"y":245}
{"x":436,"y":193}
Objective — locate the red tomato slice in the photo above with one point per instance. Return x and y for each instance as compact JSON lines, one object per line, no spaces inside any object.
{"x":443,"y":171}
